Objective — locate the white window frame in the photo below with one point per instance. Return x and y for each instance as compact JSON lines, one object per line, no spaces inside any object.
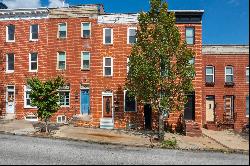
{"x":186,"y":28}
{"x":7,"y":63}
{"x":209,"y":74}
{"x":33,"y":61}
{"x":82,"y":60}
{"x":31,"y":32}
{"x":127,"y":65}
{"x":7,"y":34}
{"x":26,"y":89}
{"x":229,"y":74}
{"x":67,"y":106}
{"x":60,"y":116}
{"x":247,"y":105}
{"x":57,"y":64}
{"x":107,"y":66}
{"x":124,"y":101}
{"x":247,"y":81}
{"x":89,"y":29}
{"x":128,"y":35}
{"x":58,"y":29}
{"x":112,"y":36}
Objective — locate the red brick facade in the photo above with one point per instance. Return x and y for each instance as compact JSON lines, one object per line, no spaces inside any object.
{"x":49,"y":44}
{"x":220,"y":57}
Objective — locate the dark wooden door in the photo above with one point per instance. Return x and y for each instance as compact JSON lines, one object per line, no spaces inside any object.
{"x":107,"y":106}
{"x":148,"y":116}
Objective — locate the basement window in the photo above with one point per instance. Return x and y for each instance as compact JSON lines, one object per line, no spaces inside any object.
{"x":61,"y":119}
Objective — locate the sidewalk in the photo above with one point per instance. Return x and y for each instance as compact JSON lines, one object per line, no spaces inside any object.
{"x":216,"y":141}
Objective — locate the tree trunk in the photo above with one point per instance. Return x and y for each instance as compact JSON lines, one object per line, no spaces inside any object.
{"x":46,"y":125}
{"x":161,"y":132}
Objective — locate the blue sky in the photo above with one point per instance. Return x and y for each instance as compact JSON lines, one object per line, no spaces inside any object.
{"x":224,"y":21}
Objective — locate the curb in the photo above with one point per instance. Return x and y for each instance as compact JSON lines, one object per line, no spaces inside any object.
{"x":229,"y":151}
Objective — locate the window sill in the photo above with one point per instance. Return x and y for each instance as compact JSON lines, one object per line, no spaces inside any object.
{"x":211,"y":84}
{"x":33,"y":40}
{"x":61,"y":38}
{"x":229,"y":84}
{"x":10,"y":41}
{"x":9,"y":72}
{"x":108,"y":44}
{"x":107,"y":76}
{"x":27,"y":107}
{"x":64,"y":106}
{"x":85,"y":69}
{"x":85,"y":37}
{"x":31,"y":71}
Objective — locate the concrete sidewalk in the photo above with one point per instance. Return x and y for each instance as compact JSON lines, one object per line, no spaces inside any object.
{"x":228,"y":139}
{"x":216,"y":141}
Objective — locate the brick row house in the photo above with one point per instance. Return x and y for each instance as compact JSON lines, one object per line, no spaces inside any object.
{"x":90,"y":49}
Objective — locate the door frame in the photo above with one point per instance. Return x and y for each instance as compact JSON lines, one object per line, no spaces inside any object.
{"x":210,"y":97}
{"x":83,"y":88}
{"x":108,"y":94}
{"x":6,"y":98}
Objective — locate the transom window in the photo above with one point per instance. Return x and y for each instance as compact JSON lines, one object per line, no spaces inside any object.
{"x":10,"y":33}
{"x":129,"y":102}
{"x":86,"y":30}
{"x":10,"y":61}
{"x":85,"y":61}
{"x":33,"y":65}
{"x":34,"y":32}
{"x":61,"y":58}
{"x":131,"y":35}
{"x":108,"y":66}
{"x":190,"y":35}
{"x":62,"y":30}
{"x":229,"y":76}
{"x":209,"y":74}
{"x":108,"y":36}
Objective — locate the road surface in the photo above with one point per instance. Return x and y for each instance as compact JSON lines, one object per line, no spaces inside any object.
{"x":29,"y":150}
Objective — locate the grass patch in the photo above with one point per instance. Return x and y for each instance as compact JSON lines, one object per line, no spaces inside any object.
{"x":169,"y":143}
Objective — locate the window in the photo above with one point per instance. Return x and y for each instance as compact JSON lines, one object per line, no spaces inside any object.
{"x":10,"y":61}
{"x":131,"y":35}
{"x":129,"y":103}
{"x":209,"y":74}
{"x":108,"y":36}
{"x":33,"y":62}
{"x":86,"y":30}
{"x":247,"y":74}
{"x":61,"y":119}
{"x":229,"y":107}
{"x":27,"y":99}
{"x":85,"y":61}
{"x":34,"y":32}
{"x":10,"y":33}
{"x":61,"y":60}
{"x":229,"y":76}
{"x":64,"y":98}
{"x":190,"y":35}
{"x":108,"y":66}
{"x":62,"y":30}
{"x":247,"y":106}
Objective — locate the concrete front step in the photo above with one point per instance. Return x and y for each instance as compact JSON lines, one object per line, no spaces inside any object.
{"x":106,"y":123}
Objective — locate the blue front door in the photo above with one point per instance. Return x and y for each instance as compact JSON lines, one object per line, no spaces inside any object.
{"x":85,"y":101}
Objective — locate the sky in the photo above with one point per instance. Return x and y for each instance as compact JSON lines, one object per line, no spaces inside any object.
{"x":224,"y":21}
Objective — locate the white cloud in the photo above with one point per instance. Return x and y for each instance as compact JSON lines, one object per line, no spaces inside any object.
{"x":57,"y":3}
{"x":13,"y":4}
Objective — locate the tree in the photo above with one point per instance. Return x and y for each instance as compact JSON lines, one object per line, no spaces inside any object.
{"x":159,"y":68}
{"x":3,"y":6}
{"x":45,"y":96}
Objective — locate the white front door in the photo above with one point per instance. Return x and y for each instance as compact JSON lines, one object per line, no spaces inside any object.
{"x":10,"y":100}
{"x":210,"y":109}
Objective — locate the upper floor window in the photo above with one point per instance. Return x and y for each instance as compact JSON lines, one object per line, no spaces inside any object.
{"x":62,"y":30}
{"x":209,"y":74}
{"x":10,"y":33}
{"x":190,"y":35}
{"x":247,"y":74}
{"x":85,"y":61}
{"x":131,"y":35}
{"x":61,"y":60}
{"x":86,"y":30}
{"x":34,"y":32}
{"x":33,"y":62}
{"x":107,"y":36}
{"x":10,"y":61}
{"x":229,"y":75}
{"x":108,"y":66}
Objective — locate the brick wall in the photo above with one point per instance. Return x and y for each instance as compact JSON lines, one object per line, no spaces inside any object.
{"x":240,"y":90}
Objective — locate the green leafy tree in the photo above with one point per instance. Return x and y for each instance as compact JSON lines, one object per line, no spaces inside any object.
{"x":45,"y":96}
{"x":159,"y":68}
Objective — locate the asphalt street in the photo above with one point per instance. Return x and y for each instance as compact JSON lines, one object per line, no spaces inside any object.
{"x":21,"y":150}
